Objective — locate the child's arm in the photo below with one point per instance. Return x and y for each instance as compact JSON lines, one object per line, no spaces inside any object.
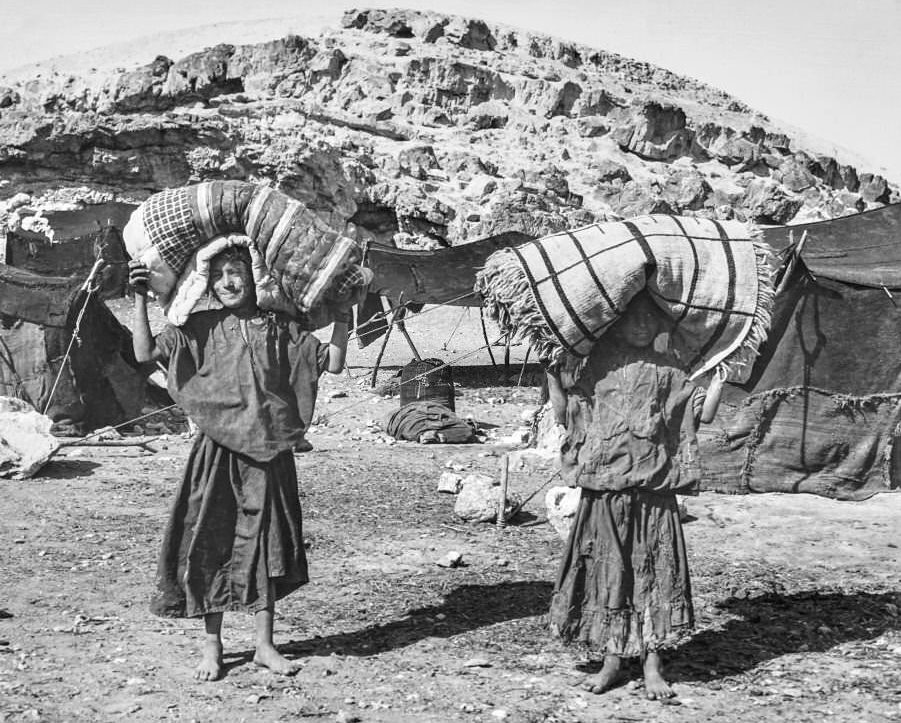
{"x":142,"y":340}
{"x":712,"y":398}
{"x":337,"y":347}
{"x":557,"y":396}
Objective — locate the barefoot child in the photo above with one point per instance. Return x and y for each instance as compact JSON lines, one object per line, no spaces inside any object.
{"x":234,"y":539}
{"x":623,"y":587}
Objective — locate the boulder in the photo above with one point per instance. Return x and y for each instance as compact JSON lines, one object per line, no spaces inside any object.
{"x":26,"y":444}
{"x":795,"y":175}
{"x":607,"y":170}
{"x":561,"y":504}
{"x":478,"y":499}
{"x":592,"y":126}
{"x":638,"y":199}
{"x":873,"y":188}
{"x":658,"y":133}
{"x":685,"y":188}
{"x":417,"y":161}
{"x":8,"y":97}
{"x":767,"y":202}
{"x":480,"y":186}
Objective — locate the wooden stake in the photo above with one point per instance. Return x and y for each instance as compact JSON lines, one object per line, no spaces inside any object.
{"x":502,"y":492}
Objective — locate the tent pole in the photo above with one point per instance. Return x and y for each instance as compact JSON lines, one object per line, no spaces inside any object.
{"x":790,"y":264}
{"x":378,"y":359}
{"x":402,"y":328}
{"x":485,"y":335}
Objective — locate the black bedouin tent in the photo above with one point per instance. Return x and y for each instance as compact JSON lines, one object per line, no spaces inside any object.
{"x":95,"y":381}
{"x":822,"y":408}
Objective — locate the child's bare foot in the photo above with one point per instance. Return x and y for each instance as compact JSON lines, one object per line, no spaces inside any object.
{"x":605,"y":679}
{"x":656,"y":688}
{"x":210,"y":665}
{"x":267,"y":656}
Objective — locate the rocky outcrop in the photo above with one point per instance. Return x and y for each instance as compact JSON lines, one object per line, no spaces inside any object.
{"x":422,"y":129}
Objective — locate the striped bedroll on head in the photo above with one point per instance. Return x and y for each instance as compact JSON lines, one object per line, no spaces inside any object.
{"x":564,"y":291}
{"x":303,"y":255}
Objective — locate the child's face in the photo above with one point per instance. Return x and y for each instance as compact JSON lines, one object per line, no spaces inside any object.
{"x":231,"y":283}
{"x":640,"y":324}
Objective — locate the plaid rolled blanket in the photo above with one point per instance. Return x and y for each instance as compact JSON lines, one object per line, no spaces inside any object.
{"x":302,"y":255}
{"x":562,"y":292}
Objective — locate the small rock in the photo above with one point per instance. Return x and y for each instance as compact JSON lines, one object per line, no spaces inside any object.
{"x":450,"y":482}
{"x":344,"y":716}
{"x":122,"y":708}
{"x":477,"y":663}
{"x":337,"y":395}
{"x":108,"y":433}
{"x":451,"y":559}
{"x":669,"y":701}
{"x":499,"y":714}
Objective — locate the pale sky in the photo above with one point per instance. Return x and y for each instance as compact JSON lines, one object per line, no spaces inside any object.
{"x":829,"y":67}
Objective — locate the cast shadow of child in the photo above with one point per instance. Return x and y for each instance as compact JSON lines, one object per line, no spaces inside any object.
{"x":770,"y":625}
{"x":464,"y":609}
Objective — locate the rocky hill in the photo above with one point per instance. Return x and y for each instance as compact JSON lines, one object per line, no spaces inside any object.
{"x":423,"y":129}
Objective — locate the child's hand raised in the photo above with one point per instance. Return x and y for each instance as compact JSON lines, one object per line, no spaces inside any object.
{"x":138,"y":276}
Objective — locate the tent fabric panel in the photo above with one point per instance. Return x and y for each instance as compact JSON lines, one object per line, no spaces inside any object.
{"x":862,"y":249}
{"x":834,"y":337}
{"x":805,"y":441}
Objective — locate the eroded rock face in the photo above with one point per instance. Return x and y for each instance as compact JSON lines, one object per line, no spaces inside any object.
{"x":424,"y":130}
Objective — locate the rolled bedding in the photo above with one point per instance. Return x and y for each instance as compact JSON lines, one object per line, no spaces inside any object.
{"x":300,"y":263}
{"x":563,"y":292}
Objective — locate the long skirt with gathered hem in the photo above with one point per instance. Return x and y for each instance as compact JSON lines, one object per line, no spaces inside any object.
{"x":234,"y":540}
{"x":623,"y":586}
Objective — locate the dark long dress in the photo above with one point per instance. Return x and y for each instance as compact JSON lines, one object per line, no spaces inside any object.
{"x":623,"y":586}
{"x":234,"y":540}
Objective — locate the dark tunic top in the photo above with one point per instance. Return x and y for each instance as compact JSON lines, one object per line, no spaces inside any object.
{"x":631,"y":420}
{"x":249,"y":384}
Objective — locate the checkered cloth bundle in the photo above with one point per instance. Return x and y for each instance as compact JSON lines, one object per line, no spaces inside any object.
{"x":712,"y":279}
{"x":302,"y":254}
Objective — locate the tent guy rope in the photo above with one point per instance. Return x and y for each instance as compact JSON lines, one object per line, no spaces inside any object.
{"x":88,"y":288}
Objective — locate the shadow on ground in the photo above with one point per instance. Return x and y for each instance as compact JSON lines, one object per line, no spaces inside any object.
{"x":465,"y":608}
{"x":67,"y":468}
{"x":771,"y":625}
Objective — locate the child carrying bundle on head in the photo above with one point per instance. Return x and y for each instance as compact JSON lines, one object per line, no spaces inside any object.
{"x":234,"y":539}
{"x":623,"y":587}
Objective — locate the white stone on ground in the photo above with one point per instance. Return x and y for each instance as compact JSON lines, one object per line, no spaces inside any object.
{"x":561,"y":503}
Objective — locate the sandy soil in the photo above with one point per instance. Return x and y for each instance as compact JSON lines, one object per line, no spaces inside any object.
{"x":797,"y":597}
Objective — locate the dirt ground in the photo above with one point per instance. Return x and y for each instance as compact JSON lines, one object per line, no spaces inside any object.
{"x":798,"y":598}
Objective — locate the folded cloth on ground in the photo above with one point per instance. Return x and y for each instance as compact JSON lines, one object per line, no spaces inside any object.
{"x":429,"y":422}
{"x":300,"y":253}
{"x":562,"y":292}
